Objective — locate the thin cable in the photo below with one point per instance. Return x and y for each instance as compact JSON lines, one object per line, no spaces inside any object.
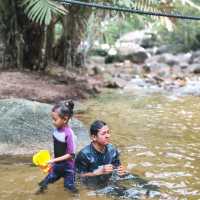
{"x":127,"y":10}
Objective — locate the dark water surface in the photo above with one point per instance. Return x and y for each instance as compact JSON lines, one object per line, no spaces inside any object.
{"x":159,"y":140}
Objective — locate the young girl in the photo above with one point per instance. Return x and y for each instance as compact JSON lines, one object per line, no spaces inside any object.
{"x":64,"y":148}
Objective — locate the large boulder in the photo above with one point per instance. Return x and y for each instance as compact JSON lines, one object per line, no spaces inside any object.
{"x":138,"y":57}
{"x":163,"y":49}
{"x":127,"y":51}
{"x":132,"y":46}
{"x":26,"y":127}
{"x":169,"y":59}
{"x":144,"y":38}
{"x":132,"y":52}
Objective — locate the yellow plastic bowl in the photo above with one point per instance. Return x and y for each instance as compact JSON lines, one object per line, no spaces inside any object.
{"x":41,"y":158}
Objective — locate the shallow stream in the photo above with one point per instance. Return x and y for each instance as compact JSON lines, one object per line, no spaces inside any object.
{"x":158,"y":137}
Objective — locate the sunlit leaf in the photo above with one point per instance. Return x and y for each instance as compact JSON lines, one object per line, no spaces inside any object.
{"x":41,"y":11}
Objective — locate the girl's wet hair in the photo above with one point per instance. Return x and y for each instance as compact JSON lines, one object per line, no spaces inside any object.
{"x":95,"y":126}
{"x":64,"y":108}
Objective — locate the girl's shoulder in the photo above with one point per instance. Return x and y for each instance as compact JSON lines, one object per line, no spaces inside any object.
{"x":68,"y":130}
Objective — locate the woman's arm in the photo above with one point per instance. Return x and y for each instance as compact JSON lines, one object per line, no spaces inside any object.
{"x":105,"y":169}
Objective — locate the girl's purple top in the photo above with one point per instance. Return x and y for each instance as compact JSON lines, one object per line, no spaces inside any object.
{"x":64,"y":143}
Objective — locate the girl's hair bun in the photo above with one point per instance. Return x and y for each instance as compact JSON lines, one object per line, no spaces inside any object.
{"x":64,"y":108}
{"x":70,"y":104}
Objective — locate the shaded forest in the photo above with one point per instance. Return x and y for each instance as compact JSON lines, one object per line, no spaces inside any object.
{"x":35,"y":34}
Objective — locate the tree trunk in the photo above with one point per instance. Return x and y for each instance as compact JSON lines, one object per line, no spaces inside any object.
{"x":29,"y":45}
{"x":10,"y":31}
{"x":49,"y":42}
{"x":33,"y":39}
{"x":23,"y":39}
{"x":74,"y":27}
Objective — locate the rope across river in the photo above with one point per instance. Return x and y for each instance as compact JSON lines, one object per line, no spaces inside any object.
{"x":127,"y":10}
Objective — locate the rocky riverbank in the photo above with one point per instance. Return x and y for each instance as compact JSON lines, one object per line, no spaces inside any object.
{"x":134,"y":63}
{"x":53,"y":86}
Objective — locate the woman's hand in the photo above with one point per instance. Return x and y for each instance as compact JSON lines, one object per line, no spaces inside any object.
{"x":121,"y":170}
{"x":104,"y":169}
{"x":108,"y":169}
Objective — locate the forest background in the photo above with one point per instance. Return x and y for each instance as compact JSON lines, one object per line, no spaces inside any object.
{"x":37,"y":34}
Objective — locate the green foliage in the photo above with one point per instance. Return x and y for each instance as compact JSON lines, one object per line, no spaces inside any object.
{"x":107,"y":26}
{"x":186,"y":33}
{"x":41,"y":11}
{"x":117,"y":26}
{"x":185,"y":37}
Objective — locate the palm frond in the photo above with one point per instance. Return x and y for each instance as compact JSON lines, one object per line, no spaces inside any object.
{"x":191,"y":4}
{"x":40,"y":11}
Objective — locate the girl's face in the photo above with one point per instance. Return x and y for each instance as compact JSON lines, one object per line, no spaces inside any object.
{"x":58,"y":121}
{"x":103,"y":136}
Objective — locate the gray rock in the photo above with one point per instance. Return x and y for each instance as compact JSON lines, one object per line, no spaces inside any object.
{"x":184,"y":57}
{"x":163,"y":49}
{"x":116,"y":83}
{"x":96,"y":60}
{"x":137,"y":57}
{"x":26,"y":127}
{"x":184,"y":66}
{"x":114,"y":58}
{"x":195,"y":58}
{"x":169,"y":59}
{"x":157,"y":68}
{"x":192,"y":88}
{"x":125,"y":49}
{"x":141,"y":37}
{"x":195,"y":68}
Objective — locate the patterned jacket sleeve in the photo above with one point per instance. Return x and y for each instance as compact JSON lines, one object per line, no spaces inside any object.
{"x":81,"y":163}
{"x":116,"y":161}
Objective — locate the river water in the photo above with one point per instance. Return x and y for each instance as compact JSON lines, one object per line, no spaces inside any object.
{"x":158,"y":137}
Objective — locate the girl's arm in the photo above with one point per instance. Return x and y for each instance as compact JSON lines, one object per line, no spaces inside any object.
{"x":61,"y":158}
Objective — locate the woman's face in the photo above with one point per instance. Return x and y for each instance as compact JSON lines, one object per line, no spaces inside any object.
{"x":58,"y":121}
{"x":103,"y":136}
